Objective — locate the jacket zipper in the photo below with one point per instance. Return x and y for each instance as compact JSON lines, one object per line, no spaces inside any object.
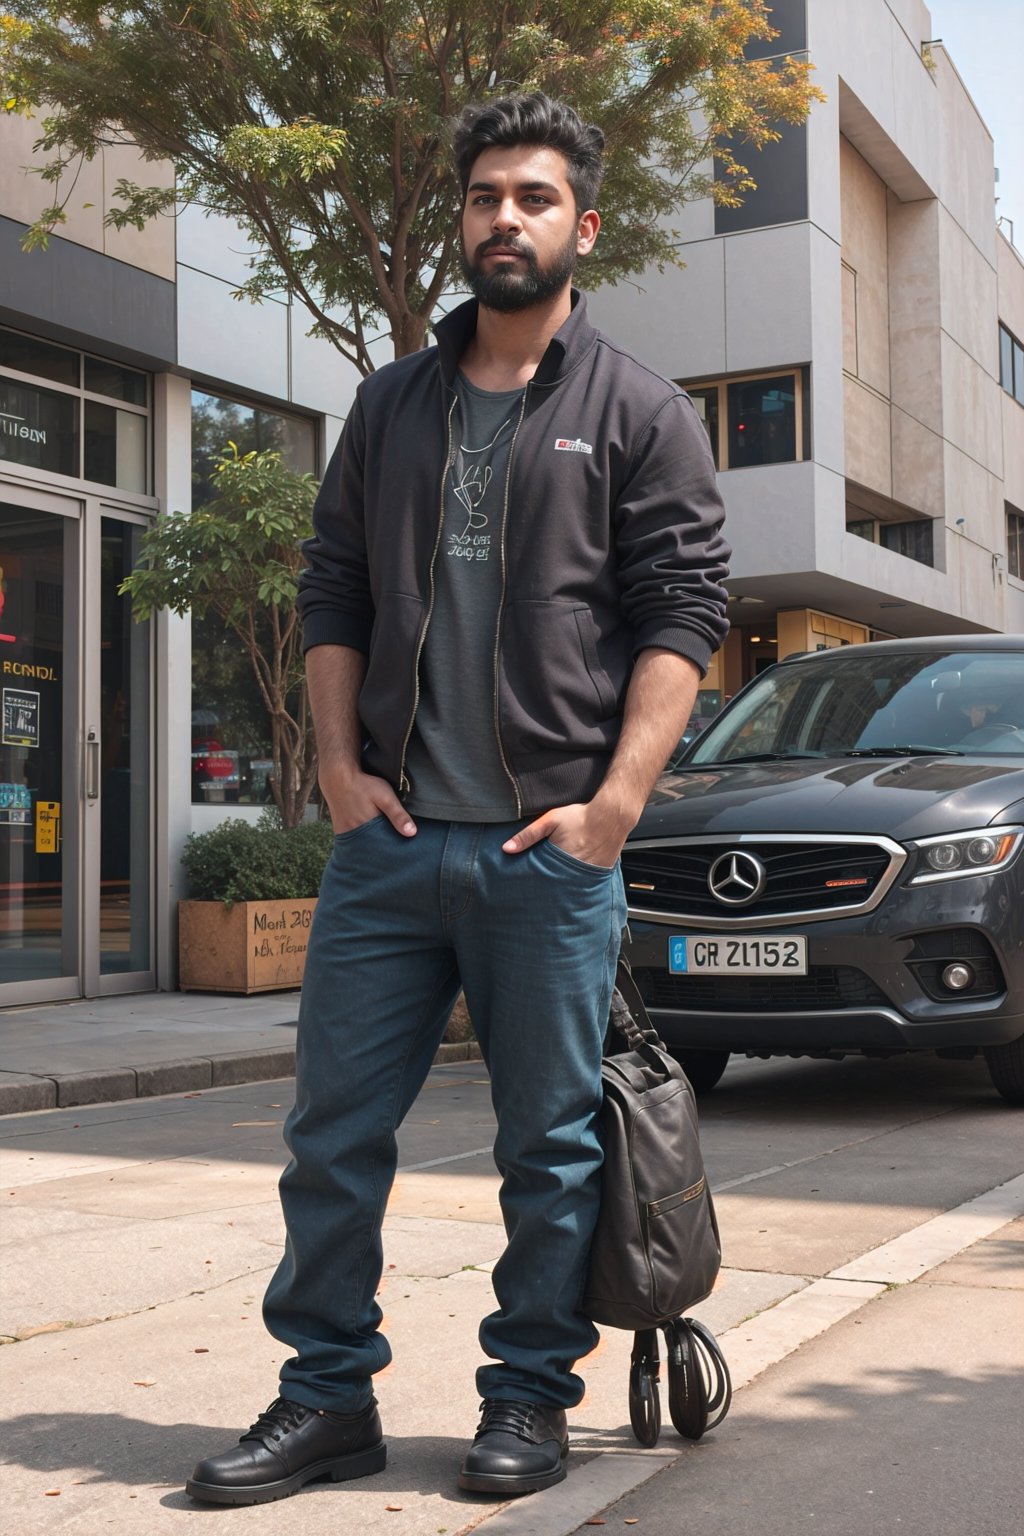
{"x":501,"y":606}
{"x":403,"y":782}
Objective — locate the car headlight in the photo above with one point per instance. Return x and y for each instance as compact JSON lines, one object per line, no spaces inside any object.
{"x":965,"y":853}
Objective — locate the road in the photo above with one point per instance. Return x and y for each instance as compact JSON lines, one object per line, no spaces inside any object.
{"x":876,"y":1339}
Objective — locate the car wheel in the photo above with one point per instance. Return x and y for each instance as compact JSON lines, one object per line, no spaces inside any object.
{"x":1006,"y":1069}
{"x":703,"y":1068}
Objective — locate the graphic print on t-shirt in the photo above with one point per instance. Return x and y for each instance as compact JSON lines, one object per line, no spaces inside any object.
{"x":472,"y":478}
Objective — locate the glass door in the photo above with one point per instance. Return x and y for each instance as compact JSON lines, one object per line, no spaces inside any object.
{"x":117,"y":807}
{"x":76,"y":855}
{"x":39,"y":821}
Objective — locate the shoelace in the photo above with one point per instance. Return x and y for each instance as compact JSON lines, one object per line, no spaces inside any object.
{"x":282,"y":1416}
{"x":515,"y":1418}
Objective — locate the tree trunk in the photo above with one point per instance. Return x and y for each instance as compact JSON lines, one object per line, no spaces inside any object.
{"x":409,"y":335}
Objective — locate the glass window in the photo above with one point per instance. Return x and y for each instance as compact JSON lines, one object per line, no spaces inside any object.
{"x":217,"y":421}
{"x":38,"y":428}
{"x":64,"y":433}
{"x":789,"y":19}
{"x":115,"y":382}
{"x":762,"y":421}
{"x":124,"y":764}
{"x":1015,"y":544}
{"x":115,"y":447}
{"x":706,"y":405}
{"x":912,"y":539}
{"x":871,"y":700}
{"x":864,"y":528}
{"x":28,"y":355}
{"x":230,"y":731}
{"x":1006,"y":359}
{"x":1018,"y":372}
{"x":780,"y":196}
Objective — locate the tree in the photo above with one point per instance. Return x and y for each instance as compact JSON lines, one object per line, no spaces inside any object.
{"x":238,"y":557}
{"x":321,"y":127}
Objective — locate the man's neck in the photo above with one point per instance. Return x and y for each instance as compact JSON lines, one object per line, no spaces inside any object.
{"x":506,"y":350}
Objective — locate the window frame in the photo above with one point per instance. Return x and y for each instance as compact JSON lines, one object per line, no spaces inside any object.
{"x":1015,"y":543}
{"x":1011,"y":378}
{"x":798,"y":372}
{"x":82,"y":395}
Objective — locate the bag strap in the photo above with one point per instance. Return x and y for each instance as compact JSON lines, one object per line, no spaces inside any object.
{"x":628,"y":1013}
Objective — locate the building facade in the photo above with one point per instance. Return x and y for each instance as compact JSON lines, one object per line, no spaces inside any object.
{"x":853,"y":338}
{"x":125,"y":364}
{"x":849,"y":336}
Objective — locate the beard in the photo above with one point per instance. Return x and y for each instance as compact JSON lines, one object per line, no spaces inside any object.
{"x":508,"y":288}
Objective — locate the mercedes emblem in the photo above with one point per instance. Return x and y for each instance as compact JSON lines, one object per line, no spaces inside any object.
{"x":736,"y":879}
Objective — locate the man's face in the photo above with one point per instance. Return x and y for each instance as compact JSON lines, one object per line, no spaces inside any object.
{"x":521,"y":234}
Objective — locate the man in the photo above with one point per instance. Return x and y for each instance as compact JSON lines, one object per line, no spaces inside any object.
{"x":513,"y":589}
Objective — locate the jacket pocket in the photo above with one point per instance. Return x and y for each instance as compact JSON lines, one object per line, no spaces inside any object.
{"x":558,"y":694}
{"x":587,"y":630}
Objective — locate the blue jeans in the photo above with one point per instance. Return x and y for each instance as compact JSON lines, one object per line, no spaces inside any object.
{"x":401,"y":924}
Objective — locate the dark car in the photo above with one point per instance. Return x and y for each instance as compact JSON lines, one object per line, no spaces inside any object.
{"x":835,"y":864}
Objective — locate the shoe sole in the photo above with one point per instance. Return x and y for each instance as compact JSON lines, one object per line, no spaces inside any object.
{"x":497,"y":1482}
{"x":340,"y":1469}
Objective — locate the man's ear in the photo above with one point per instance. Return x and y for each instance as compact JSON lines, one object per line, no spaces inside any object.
{"x":590,"y":223}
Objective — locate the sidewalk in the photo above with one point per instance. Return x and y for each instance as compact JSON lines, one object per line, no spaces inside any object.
{"x":869,"y":1311}
{"x":58,"y":1055}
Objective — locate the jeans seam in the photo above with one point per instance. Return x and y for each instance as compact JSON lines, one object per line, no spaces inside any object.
{"x":374,"y":1226}
{"x":467,"y":884}
{"x":614,"y":943}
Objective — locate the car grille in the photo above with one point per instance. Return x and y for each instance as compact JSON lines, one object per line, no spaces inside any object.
{"x":824,"y":987}
{"x":802,"y":875}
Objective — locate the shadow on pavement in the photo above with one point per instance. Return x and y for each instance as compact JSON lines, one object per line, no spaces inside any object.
{"x":106,"y":1448}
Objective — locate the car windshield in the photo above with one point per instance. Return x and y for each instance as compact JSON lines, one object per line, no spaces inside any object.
{"x":962,"y":703}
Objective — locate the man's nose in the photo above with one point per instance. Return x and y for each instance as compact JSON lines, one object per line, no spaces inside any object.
{"x":506,"y":216}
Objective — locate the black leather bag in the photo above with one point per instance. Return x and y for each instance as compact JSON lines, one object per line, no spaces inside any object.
{"x":656,"y":1250}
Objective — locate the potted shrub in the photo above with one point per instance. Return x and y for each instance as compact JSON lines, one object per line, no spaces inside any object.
{"x":253,"y":890}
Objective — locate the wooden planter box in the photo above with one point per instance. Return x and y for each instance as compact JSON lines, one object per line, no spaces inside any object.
{"x":253,"y":946}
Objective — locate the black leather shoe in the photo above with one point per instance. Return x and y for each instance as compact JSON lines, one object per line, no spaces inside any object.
{"x":519,"y":1448}
{"x":288,"y":1446}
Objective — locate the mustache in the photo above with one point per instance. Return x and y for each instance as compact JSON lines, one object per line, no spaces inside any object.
{"x":505,"y":243}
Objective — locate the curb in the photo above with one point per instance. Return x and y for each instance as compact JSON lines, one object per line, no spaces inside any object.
{"x":24,"y":1092}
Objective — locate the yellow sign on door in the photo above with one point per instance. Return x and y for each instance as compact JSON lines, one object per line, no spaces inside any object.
{"x":47,"y":826}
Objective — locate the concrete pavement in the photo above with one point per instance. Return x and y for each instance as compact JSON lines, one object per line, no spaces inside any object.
{"x":103,"y":1050}
{"x":139,"y":1237}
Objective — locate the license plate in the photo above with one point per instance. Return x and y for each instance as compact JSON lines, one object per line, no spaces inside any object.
{"x":753,"y":954}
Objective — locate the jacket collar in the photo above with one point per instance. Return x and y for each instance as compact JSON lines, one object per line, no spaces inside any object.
{"x":570,"y":343}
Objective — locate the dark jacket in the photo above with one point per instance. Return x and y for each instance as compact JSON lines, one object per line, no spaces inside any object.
{"x":610,"y":542}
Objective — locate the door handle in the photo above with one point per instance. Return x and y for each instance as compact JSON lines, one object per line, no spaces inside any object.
{"x":92,"y":765}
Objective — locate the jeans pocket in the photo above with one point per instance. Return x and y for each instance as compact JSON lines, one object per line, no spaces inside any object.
{"x":570,"y":861}
{"x":345,"y":837}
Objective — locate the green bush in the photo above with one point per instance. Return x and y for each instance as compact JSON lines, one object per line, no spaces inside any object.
{"x":262,"y":861}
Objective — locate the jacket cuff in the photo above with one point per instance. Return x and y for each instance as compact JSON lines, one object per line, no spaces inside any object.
{"x":328,"y":627}
{"x":670,"y":637}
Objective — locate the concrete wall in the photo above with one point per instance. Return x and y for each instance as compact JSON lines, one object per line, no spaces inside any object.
{"x":865,"y":258}
{"x":260,"y":349}
{"x":23,"y":197}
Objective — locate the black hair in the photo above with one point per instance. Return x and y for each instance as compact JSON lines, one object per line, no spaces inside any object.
{"x":535,"y":119}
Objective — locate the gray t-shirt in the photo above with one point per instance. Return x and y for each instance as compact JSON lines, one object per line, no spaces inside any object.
{"x":453,"y":763}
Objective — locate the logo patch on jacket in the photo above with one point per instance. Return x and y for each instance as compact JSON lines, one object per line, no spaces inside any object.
{"x":572,"y":445}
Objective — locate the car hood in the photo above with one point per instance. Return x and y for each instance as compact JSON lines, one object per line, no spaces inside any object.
{"x":903,"y":798}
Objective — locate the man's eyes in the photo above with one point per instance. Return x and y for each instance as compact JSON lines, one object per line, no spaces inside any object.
{"x":483,"y":199}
